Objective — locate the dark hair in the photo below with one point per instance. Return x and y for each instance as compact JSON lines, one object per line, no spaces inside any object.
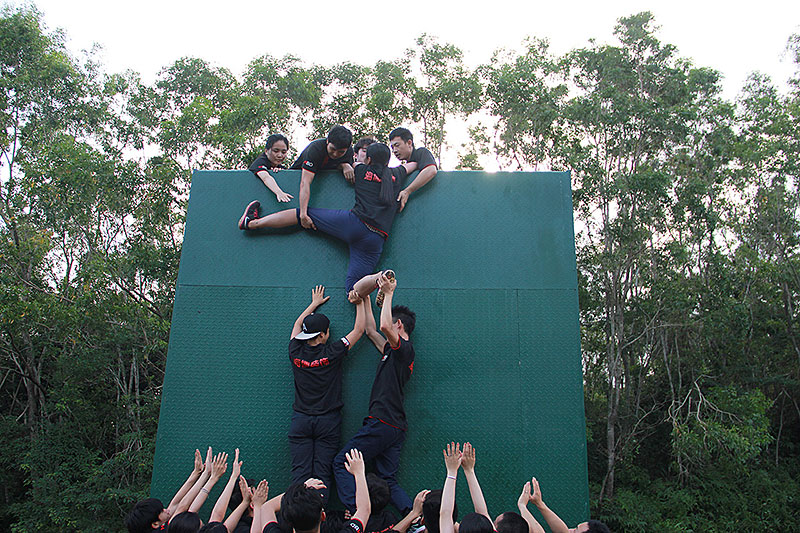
{"x":430,"y":510}
{"x":406,"y":315}
{"x":185,"y":522}
{"x":334,"y":522}
{"x":511,"y":522}
{"x":301,"y":507}
{"x":379,"y":495}
{"x":236,"y":495}
{"x":214,"y":527}
{"x":143,"y":514}
{"x":379,"y":154}
{"x":475,"y":523}
{"x":275,"y":137}
{"x":340,"y":137}
{"x":363,"y":142}
{"x":596,"y":526}
{"x":403,"y":133}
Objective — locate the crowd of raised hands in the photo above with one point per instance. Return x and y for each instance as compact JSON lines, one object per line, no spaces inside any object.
{"x":300,"y":508}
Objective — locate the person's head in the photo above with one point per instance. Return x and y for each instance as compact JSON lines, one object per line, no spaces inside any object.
{"x":510,"y":522}
{"x":379,"y":496}
{"x":236,"y":497}
{"x":378,"y":155}
{"x":339,"y":140}
{"x":214,"y":527}
{"x":301,"y":508}
{"x":277,"y":147}
{"x":360,"y":148}
{"x":185,"y":522}
{"x":146,"y":515}
{"x":430,"y":511}
{"x":402,"y":143}
{"x":475,"y":523}
{"x":592,"y":526}
{"x":316,"y":329}
{"x":403,"y":319}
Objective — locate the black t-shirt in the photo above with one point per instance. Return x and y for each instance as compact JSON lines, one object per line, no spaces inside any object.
{"x":381,"y":522}
{"x":263,"y":163}
{"x":394,"y":371}
{"x":369,"y":207}
{"x":317,"y":376}
{"x":244,"y":525}
{"x":315,"y":158}
{"x":351,"y":526}
{"x":423,"y":158}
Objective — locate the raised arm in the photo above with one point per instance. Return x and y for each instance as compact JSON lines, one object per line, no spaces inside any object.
{"x":189,"y":497}
{"x":218,"y":512}
{"x":370,"y":329}
{"x":273,"y":186}
{"x":188,"y":484}
{"x":452,"y":458}
{"x":218,"y":467}
{"x":360,"y":324}
{"x":236,"y":514}
{"x":317,"y":298}
{"x":554,"y":522}
{"x":354,"y":463}
{"x":387,"y":326}
{"x":259,"y":511}
{"x":475,"y":492}
{"x":415,"y":512}
{"x":306,"y":177}
{"x":522,"y":505}
{"x":425,"y":175}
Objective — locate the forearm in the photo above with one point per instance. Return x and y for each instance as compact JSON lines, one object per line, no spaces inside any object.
{"x":403,"y":525}
{"x":187,"y":500}
{"x":201,"y":497}
{"x":218,"y":512}
{"x":533,"y":525}
{"x":235,"y":516}
{"x":425,"y":175}
{"x":269,"y":181}
{"x":386,"y":311}
{"x":363,"y":506}
{"x":448,"y":502}
{"x":187,"y":485}
{"x":476,"y":494}
{"x":305,"y":191}
{"x":554,"y":522}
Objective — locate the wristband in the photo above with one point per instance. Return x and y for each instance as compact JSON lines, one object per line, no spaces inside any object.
{"x":204,"y":490}
{"x":450,"y":477}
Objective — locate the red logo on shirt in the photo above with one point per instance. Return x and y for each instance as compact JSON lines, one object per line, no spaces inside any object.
{"x":371,"y":176}
{"x":301,"y":363}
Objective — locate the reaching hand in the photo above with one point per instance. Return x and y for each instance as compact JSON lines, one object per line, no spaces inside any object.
{"x":318,"y":296}
{"x":354,"y":462}
{"x":452,"y":458}
{"x":244,"y":489}
{"x":260,"y":494}
{"x":402,"y":198}
{"x":237,"y":465}
{"x":306,"y":222}
{"x":525,"y":496}
{"x":468,"y":457}
{"x":353,"y":297}
{"x":349,"y":173}
{"x":198,"y":463}
{"x":314,"y":483}
{"x":419,"y":500}
{"x":209,"y":459}
{"x":283,"y":197}
{"x":387,"y":285}
{"x":219,"y":466}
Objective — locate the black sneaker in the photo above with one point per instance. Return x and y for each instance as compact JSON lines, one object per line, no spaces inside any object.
{"x":250,"y":213}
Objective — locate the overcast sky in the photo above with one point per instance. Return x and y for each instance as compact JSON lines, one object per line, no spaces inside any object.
{"x":146,"y":35}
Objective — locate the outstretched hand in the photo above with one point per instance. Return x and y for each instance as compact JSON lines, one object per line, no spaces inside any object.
{"x":354,"y":462}
{"x":318,"y":296}
{"x":219,"y":466}
{"x":198,"y":463}
{"x":260,"y":494}
{"x":536,"y":494}
{"x":402,"y":198}
{"x":237,"y":465}
{"x":452,"y":457}
{"x":387,"y":285}
{"x":419,"y":501}
{"x":468,"y":457}
{"x":247,"y":493}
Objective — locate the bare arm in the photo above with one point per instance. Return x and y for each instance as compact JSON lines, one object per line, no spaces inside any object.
{"x":272,"y":185}
{"x":236,"y":515}
{"x":369,"y":327}
{"x":452,"y":458}
{"x":347,"y":170}
{"x":522,"y":505}
{"x":415,"y":512}
{"x":409,"y":166}
{"x":317,"y":298}
{"x":189,"y":497}
{"x":306,"y":177}
{"x":387,"y":327}
{"x":553,"y":520}
{"x":354,"y":463}
{"x":218,"y":512}
{"x":259,"y":511}
{"x":189,"y":483}
{"x":218,"y":467}
{"x":475,"y":492}
{"x":358,"y":327}
{"x":425,"y":175}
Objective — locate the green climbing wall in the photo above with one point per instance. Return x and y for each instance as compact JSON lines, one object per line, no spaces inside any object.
{"x":487,"y":261}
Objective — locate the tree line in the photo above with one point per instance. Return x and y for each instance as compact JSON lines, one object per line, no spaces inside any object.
{"x":687,"y":236}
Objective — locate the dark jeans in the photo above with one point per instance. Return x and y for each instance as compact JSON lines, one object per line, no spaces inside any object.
{"x":366,"y":246}
{"x":313,"y":442}
{"x":383,"y":443}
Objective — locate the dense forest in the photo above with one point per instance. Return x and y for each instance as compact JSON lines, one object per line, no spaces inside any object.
{"x":687,"y":235}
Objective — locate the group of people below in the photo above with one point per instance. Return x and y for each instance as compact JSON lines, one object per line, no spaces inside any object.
{"x":318,"y":462}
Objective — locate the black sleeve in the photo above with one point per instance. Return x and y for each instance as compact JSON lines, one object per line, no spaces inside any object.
{"x":312,"y":157}
{"x":261,"y":163}
{"x":423,"y":158}
{"x":272,"y":527}
{"x":352,"y":526}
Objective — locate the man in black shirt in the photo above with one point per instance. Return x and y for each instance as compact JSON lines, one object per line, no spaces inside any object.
{"x":317,"y":369}
{"x":383,"y":433}
{"x":402,"y":144}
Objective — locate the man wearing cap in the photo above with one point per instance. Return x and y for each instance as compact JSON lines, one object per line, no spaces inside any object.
{"x":317,"y":368}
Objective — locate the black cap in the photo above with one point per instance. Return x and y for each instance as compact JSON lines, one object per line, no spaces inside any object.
{"x":313,"y":325}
